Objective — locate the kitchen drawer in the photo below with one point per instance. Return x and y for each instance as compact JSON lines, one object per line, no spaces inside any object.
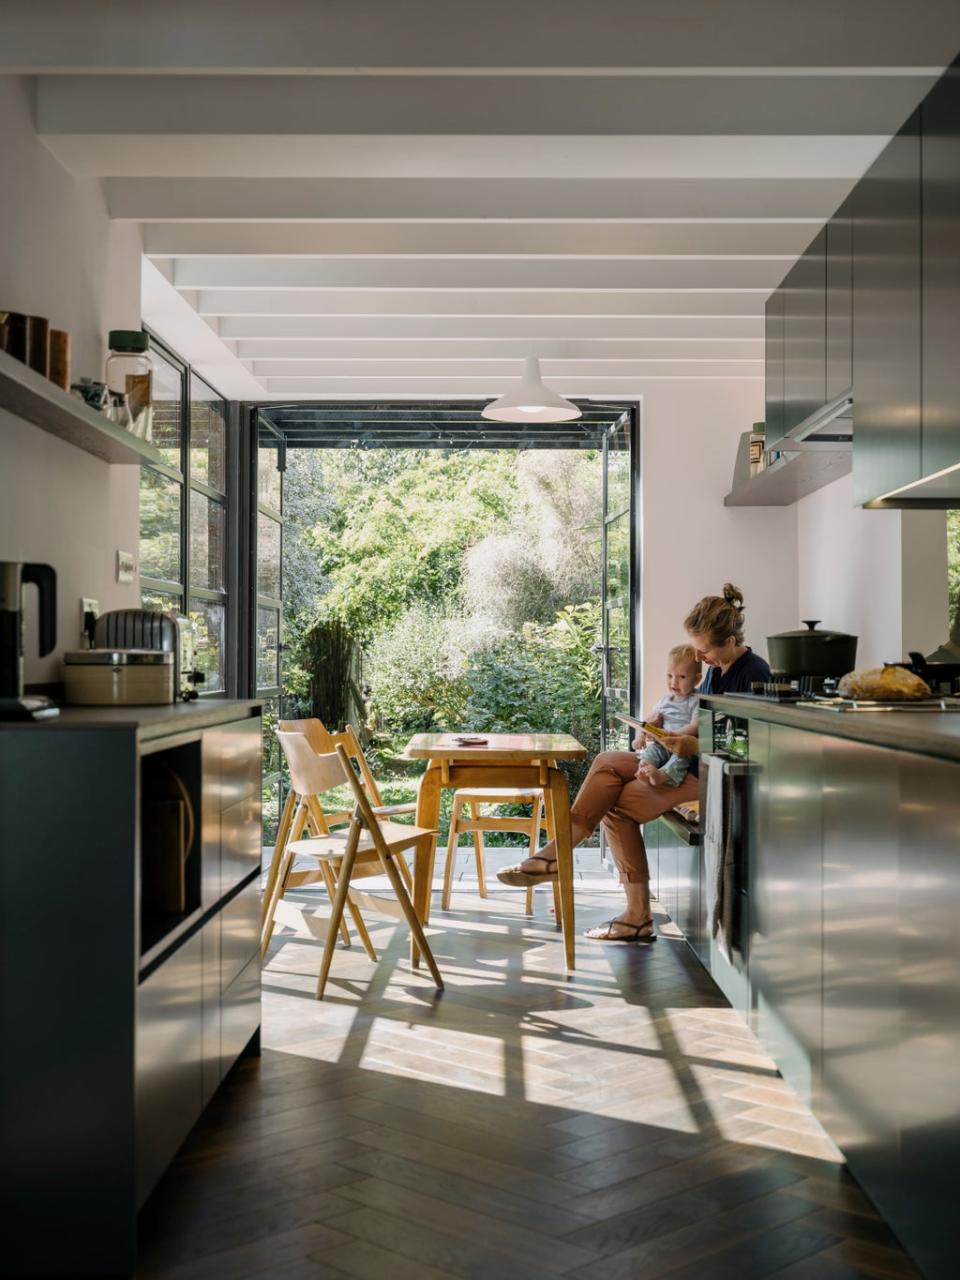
{"x":240,"y":933}
{"x":169,"y":1060}
{"x":240,"y":1012}
{"x":240,"y":842}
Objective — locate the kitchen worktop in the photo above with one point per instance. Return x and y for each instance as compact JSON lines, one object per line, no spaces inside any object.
{"x":931,"y":733}
{"x":151,"y":722}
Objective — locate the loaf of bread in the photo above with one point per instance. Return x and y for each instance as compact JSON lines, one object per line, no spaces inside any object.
{"x":884,"y":684}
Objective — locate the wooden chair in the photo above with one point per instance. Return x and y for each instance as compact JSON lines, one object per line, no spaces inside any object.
{"x":370,"y":846}
{"x":296,"y":815}
{"x":531,"y":827}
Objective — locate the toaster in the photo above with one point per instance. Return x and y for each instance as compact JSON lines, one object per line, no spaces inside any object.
{"x":151,"y":629}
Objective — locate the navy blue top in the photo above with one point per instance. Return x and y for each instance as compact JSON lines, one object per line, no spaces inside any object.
{"x":737,"y":678}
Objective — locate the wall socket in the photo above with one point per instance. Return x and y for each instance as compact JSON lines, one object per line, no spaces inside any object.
{"x":87,"y":605}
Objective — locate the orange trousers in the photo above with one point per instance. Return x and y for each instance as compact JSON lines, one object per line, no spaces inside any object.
{"x":612,"y":794}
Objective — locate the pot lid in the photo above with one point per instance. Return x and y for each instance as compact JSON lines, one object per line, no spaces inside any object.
{"x":811,"y":626}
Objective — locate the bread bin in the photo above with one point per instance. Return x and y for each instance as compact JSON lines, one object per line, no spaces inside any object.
{"x":118,"y":677}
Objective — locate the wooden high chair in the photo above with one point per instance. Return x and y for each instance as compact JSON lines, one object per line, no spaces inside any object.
{"x":370,"y":846}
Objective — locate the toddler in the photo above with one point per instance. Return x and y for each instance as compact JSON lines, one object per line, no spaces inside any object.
{"x":677,"y":713}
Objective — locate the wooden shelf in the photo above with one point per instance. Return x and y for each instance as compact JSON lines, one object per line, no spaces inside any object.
{"x":27,"y":395}
{"x":787,"y":480}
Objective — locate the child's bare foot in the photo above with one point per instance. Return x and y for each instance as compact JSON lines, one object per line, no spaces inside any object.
{"x":656,"y":777}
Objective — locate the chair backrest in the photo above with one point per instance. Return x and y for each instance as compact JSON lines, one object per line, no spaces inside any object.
{"x":355,"y":757}
{"x":315,"y":732}
{"x":364,"y":808}
{"x":311,"y":774}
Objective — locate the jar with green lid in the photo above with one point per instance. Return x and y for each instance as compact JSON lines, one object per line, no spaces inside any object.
{"x":129,"y":372}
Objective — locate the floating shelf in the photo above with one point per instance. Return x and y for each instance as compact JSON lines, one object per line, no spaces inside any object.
{"x":788,"y":479}
{"x":27,"y":395}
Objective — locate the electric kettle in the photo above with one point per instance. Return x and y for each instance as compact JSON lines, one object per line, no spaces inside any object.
{"x":14,"y":575}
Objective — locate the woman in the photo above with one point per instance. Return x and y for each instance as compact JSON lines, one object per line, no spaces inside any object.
{"x":617,"y":795}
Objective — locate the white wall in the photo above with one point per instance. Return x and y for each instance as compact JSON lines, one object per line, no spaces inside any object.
{"x":881,"y":575}
{"x":60,"y":257}
{"x":691,"y":543}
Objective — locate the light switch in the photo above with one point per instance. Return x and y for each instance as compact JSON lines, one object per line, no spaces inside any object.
{"x":126,"y":564}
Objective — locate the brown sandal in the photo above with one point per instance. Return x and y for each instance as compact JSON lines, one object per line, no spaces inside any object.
{"x":521,"y":879}
{"x":603,"y":932}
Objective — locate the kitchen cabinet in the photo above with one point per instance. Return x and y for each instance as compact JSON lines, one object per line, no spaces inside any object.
{"x":839,"y":302}
{"x":773,"y":367}
{"x":688,"y":892}
{"x":156,"y":1004}
{"x":804,"y":335}
{"x":941,"y":277}
{"x":786,"y":924}
{"x":887,"y":319}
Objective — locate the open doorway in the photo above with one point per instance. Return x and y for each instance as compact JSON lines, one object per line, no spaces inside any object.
{"x":418,"y":568}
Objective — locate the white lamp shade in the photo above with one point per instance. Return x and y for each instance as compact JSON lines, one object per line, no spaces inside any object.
{"x":531,"y":401}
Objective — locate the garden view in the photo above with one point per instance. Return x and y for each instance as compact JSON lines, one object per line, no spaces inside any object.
{"x":431,"y":590}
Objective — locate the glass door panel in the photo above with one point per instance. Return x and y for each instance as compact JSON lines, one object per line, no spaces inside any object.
{"x":616,"y":644}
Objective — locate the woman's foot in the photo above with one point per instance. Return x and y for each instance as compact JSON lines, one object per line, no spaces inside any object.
{"x":531,"y":871}
{"x":623,"y":930}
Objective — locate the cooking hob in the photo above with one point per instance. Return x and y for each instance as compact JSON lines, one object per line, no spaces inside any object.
{"x":865,"y":704}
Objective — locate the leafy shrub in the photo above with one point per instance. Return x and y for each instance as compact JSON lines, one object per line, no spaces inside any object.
{"x":412,"y":674}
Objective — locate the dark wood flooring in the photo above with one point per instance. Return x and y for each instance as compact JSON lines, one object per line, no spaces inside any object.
{"x":621,"y":1123}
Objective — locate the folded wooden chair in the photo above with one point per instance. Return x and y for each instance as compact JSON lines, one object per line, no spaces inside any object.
{"x":371,"y":845}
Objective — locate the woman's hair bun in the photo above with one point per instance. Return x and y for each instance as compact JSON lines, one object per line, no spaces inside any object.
{"x":733,"y":595}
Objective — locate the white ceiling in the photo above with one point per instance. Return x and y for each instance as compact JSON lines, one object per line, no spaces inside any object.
{"x":365,"y":198}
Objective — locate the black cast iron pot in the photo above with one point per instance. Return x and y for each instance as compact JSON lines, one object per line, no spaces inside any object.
{"x":812,"y":652}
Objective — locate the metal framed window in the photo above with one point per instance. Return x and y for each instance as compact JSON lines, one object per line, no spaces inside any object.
{"x":184,"y":514}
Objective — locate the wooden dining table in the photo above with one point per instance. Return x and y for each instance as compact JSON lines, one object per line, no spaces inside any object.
{"x":502,"y":760}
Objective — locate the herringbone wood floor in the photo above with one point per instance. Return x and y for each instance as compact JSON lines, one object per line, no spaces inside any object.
{"x":619,"y":1124}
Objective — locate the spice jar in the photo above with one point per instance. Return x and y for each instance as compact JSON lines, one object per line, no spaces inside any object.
{"x":129,"y":373}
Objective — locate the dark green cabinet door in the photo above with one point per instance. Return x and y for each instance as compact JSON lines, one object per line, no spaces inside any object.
{"x":941,"y":276}
{"x":839,"y":323}
{"x":886,"y":319}
{"x":773,"y":367}
{"x":804,"y":335}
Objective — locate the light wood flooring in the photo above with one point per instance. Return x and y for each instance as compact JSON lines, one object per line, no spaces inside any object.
{"x":616,"y":1124}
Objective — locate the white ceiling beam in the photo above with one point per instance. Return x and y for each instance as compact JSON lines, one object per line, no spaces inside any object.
{"x":314,"y":199}
{"x":481,"y":273}
{"x":463,"y":239}
{"x":343,"y":302}
{"x":453,"y":156}
{"x":269,"y":108}
{"x":342,"y":35}
{"x":473,"y":388}
{"x":479,"y":370}
{"x":264,"y":357}
{"x":285,"y":332}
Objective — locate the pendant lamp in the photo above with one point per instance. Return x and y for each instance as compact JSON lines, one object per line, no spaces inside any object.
{"x":531,"y":401}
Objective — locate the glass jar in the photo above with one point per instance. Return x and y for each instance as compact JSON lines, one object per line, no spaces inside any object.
{"x":129,"y":372}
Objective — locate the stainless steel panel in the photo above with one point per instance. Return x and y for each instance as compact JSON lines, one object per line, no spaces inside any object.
{"x":923,"y":1209}
{"x":786,"y":969}
{"x":211,"y":803}
{"x":212,"y":1057}
{"x":669,"y":871}
{"x":861,"y":942}
{"x":240,"y":938}
{"x":169,"y":1056}
{"x":240,"y":842}
{"x":773,"y":366}
{"x":241,"y":1012}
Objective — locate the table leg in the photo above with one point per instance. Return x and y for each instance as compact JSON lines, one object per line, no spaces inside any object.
{"x":559,"y":800}
{"x":428,"y":815}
